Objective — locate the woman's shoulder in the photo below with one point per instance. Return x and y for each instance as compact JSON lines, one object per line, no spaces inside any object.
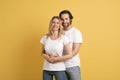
{"x":45,"y":36}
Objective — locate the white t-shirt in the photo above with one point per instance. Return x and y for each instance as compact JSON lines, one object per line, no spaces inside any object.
{"x":74,"y":36}
{"x":55,"y":47}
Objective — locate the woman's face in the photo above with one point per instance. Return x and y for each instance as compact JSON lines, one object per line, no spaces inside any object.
{"x":55,"y":24}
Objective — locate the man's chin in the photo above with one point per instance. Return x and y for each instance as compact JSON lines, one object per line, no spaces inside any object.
{"x":65,"y":25}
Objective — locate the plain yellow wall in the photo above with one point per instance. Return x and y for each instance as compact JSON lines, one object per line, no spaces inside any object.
{"x":23,"y":22}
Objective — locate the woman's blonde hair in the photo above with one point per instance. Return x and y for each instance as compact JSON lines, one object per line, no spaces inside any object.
{"x":50,"y":27}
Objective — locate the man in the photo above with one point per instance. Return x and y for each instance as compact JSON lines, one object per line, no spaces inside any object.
{"x":75,"y":37}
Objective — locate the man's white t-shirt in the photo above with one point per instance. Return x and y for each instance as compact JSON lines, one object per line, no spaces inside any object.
{"x":74,"y":36}
{"x":55,"y":48}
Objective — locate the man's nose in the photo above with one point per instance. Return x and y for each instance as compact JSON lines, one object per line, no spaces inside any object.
{"x":64,"y":21}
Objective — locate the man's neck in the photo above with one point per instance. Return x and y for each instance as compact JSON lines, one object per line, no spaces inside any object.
{"x":68,"y":28}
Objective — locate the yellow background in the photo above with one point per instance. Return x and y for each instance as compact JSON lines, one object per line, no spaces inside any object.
{"x":23,"y":22}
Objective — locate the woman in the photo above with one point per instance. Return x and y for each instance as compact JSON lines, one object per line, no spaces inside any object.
{"x":53,"y":44}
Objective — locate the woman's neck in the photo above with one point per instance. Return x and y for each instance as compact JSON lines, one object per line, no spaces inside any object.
{"x":54,"y":35}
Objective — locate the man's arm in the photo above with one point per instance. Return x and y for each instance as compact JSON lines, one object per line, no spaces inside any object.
{"x":76,"y":48}
{"x":64,"y":57}
{"x":68,"y":53}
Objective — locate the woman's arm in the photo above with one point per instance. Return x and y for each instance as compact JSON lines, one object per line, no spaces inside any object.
{"x":44,"y":54}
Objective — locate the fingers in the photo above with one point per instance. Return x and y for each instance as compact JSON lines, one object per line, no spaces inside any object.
{"x":52,"y":59}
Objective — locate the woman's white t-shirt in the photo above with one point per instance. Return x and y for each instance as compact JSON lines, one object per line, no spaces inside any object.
{"x":54,"y":47}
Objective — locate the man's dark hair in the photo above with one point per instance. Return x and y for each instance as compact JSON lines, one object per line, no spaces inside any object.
{"x":66,"y":12}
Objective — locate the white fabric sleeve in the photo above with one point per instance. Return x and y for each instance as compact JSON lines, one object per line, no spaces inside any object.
{"x":66,"y":40}
{"x":78,"y":36}
{"x":43,"y":39}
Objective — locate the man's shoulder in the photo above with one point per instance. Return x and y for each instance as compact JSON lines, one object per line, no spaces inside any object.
{"x":75,"y":29}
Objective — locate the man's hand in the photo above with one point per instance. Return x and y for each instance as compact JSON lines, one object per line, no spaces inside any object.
{"x":54,"y":59}
{"x":50,"y":58}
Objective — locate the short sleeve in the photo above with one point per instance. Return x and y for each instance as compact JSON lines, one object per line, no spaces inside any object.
{"x":77,"y":36}
{"x":43,"y":39}
{"x":65,"y":40}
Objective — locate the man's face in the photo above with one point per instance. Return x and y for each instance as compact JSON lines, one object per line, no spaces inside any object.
{"x":65,"y":20}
